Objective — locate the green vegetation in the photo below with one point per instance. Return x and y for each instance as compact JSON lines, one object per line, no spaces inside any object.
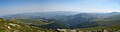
{"x":12,"y":26}
{"x":32,"y":21}
{"x":110,"y":21}
{"x":101,"y":29}
{"x":83,"y":21}
{"x":98,"y":28}
{"x":42,"y":23}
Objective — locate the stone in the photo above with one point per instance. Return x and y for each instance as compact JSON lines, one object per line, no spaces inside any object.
{"x":16,"y":30}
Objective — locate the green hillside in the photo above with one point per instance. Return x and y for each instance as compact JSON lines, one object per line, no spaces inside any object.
{"x":33,"y":21}
{"x":100,"y":29}
{"x":12,"y":26}
{"x":110,"y":21}
{"x":110,"y":24}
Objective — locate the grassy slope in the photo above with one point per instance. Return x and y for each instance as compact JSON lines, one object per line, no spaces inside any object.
{"x":32,"y":21}
{"x":111,"y":23}
{"x":10,"y":26}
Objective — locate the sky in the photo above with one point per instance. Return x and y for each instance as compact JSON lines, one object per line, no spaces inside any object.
{"x":29,"y":6}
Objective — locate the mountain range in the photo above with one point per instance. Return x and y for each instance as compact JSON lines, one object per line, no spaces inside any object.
{"x":54,"y":20}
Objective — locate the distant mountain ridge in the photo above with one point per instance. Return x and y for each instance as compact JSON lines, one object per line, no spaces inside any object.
{"x":72,"y":19}
{"x":40,"y":15}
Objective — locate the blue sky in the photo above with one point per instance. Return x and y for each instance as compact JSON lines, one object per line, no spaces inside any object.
{"x":28,"y":6}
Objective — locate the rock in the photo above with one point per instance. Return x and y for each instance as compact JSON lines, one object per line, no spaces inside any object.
{"x":62,"y":30}
{"x":8,"y":27}
{"x":105,"y":31}
{"x":80,"y":31}
{"x":16,"y":30}
{"x":72,"y":31}
{"x":118,"y":31}
{"x":14,"y":25}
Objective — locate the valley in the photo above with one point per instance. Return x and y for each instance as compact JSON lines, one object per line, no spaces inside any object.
{"x":83,"y":22}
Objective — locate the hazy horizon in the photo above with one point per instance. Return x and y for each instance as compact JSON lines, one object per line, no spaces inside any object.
{"x":30,"y":6}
